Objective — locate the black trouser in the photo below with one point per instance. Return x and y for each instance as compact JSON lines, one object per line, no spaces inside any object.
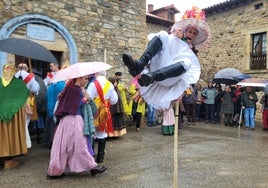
{"x":210,"y":110}
{"x":138,"y":119}
{"x":190,"y":112}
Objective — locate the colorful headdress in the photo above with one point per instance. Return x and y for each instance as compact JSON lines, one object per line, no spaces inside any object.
{"x":196,"y":18}
{"x":195,"y":12}
{"x":8,"y":73}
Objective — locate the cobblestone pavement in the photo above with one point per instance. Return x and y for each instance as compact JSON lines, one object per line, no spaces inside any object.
{"x":209,"y":155}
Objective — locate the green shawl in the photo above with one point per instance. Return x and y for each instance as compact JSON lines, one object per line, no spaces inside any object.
{"x":12,"y":98}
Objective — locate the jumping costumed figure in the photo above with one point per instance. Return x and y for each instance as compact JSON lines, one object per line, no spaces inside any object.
{"x":170,"y":64}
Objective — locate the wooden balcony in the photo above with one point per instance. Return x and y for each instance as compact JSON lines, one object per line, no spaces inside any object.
{"x":258,"y":61}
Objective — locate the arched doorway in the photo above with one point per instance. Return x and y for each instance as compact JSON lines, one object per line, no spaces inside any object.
{"x":14,"y":23}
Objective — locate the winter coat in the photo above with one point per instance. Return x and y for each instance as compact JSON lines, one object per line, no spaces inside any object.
{"x":246,"y":102}
{"x":227,"y":102}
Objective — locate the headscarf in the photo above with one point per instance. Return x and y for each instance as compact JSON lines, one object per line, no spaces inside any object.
{"x":9,"y":71}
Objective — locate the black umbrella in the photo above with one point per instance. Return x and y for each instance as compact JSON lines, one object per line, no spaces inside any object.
{"x":227,"y":76}
{"x":27,"y":48}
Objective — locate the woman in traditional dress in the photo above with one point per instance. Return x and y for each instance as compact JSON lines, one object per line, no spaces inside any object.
{"x":69,"y":150}
{"x":117,"y":111}
{"x":13,"y":97}
{"x":167,"y":127}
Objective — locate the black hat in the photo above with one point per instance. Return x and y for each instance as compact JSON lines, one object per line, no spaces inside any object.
{"x":118,"y":74}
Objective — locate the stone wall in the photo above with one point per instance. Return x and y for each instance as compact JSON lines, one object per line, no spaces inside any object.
{"x":117,"y":26}
{"x":231,"y":41}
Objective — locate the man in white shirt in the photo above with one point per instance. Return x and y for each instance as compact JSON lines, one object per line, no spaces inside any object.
{"x":110,"y":97}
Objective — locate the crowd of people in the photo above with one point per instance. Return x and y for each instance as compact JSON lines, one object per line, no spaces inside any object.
{"x":98,"y":105}
{"x":81,"y":114}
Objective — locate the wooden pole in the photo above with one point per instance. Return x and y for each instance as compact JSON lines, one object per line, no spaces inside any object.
{"x":176,"y":126}
{"x":30,"y":65}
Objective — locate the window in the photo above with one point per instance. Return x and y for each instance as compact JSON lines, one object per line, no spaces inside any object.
{"x":170,"y":16}
{"x":258,"y":51}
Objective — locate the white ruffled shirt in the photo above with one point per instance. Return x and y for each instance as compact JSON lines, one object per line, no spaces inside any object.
{"x":161,"y":94}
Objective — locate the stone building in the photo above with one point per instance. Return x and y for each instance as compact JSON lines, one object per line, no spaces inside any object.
{"x":77,"y":31}
{"x":85,"y":30}
{"x":239,"y":38}
{"x":160,"y":19}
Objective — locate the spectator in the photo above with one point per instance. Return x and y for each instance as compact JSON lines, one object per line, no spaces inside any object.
{"x":237,"y":105}
{"x":190,"y":99}
{"x":218,"y":103}
{"x":199,"y":101}
{"x":227,"y":97}
{"x":264,"y":102}
{"x":209,"y":93}
{"x":150,"y":116}
{"x":53,"y":91}
{"x":122,"y":87}
{"x":248,"y":100}
{"x":54,"y":69}
{"x":138,"y":109}
{"x":41,"y":100}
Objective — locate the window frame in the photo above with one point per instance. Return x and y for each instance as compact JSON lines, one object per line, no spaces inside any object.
{"x":258,"y":51}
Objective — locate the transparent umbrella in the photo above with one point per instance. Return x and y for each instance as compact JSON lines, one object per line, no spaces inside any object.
{"x":227,"y":76}
{"x":80,"y":69}
{"x":253,"y":82}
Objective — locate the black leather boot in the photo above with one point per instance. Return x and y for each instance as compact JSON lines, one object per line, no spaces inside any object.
{"x":98,"y":170}
{"x":101,"y":150}
{"x":170,"y":71}
{"x":136,"y":66}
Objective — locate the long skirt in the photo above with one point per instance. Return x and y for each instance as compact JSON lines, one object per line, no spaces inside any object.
{"x":167,"y":127}
{"x":69,"y":149}
{"x":13,"y":136}
{"x":118,"y":125}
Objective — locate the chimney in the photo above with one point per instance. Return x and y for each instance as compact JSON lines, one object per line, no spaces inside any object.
{"x":150,"y":7}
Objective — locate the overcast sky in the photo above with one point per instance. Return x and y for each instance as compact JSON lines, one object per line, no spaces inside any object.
{"x":183,"y":5}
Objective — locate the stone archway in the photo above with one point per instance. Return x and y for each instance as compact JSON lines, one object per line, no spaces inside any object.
{"x":14,"y":23}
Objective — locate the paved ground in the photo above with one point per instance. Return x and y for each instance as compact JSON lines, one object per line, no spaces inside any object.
{"x":209,"y":156}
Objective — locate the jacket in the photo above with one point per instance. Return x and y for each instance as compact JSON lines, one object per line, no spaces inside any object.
{"x":246,"y":101}
{"x":209,"y":94}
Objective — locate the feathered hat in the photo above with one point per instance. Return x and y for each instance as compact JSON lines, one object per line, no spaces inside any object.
{"x":196,"y":18}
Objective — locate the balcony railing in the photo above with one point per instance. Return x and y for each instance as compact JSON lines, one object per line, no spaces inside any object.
{"x":258,"y":61}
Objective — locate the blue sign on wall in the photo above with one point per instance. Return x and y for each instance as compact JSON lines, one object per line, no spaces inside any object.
{"x":40,"y":32}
